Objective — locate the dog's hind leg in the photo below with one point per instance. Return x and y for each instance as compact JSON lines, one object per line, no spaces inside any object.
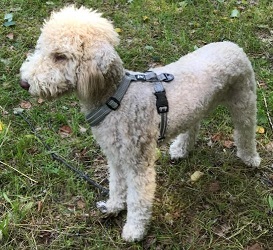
{"x":184,"y":143}
{"x":242,"y":106}
{"x":117,"y":191}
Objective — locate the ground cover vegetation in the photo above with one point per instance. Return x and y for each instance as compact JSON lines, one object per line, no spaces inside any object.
{"x":44,"y":205}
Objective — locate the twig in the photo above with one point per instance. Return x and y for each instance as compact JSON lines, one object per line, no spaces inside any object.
{"x":267,"y":110}
{"x":240,"y":230}
{"x":5,"y":164}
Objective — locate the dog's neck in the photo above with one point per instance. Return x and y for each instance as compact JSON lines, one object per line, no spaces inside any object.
{"x":112,"y":80}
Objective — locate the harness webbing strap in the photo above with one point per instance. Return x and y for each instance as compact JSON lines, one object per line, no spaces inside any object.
{"x":113,"y":103}
{"x":163,"y":126}
{"x":97,"y":115}
{"x":162,"y":107}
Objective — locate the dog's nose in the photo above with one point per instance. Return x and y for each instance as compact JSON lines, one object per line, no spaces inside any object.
{"x":24,"y":85}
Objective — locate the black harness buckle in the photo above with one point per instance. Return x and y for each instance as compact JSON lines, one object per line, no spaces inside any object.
{"x":162,"y":105}
{"x":113,"y":103}
{"x":167,"y":77}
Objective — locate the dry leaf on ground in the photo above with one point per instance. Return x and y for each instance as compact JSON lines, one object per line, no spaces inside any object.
{"x":256,"y":246}
{"x":25,"y":105}
{"x":65,"y":131}
{"x":196,"y":176}
{"x":269,"y":146}
{"x":228,"y":144}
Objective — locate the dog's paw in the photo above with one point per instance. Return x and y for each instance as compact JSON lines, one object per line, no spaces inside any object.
{"x":101,"y":205}
{"x":131,"y":233}
{"x":251,"y":161}
{"x":177,"y":151}
{"x":108,"y":208}
{"x":177,"y":154}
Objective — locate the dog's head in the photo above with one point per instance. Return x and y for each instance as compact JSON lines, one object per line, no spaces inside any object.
{"x":75,"y":51}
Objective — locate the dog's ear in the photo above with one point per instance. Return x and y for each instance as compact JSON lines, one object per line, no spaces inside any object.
{"x":99,"y":73}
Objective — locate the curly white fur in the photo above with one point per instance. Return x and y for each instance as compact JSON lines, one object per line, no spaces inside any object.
{"x":75,"y":52}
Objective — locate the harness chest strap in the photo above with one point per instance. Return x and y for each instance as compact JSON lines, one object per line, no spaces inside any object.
{"x":97,"y":115}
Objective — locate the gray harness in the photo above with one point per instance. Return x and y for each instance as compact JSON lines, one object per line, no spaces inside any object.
{"x":97,"y":115}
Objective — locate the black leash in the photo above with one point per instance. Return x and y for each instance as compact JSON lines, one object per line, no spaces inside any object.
{"x":56,"y":157}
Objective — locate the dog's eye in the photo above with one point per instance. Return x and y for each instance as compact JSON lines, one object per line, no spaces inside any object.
{"x":60,"y":57}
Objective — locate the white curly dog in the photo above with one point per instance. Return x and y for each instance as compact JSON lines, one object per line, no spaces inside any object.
{"x":75,"y":52}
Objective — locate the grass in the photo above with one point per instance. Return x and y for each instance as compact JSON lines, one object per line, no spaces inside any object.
{"x":228,"y":208}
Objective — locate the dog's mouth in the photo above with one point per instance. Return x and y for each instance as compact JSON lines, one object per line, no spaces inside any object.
{"x":45,"y":93}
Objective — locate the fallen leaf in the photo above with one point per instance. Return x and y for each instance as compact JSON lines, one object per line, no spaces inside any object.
{"x":8,"y":17}
{"x":10,"y":36}
{"x":9,"y":20}
{"x":216,"y":138}
{"x":118,"y":30}
{"x":256,"y":246}
{"x":80,"y":203}
{"x":228,"y":144}
{"x":235,"y":13}
{"x":145,"y":18}
{"x":65,"y":131}
{"x":260,"y":130}
{"x":214,"y":187}
{"x":17,"y":111}
{"x":40,"y":100}
{"x":25,"y":105}
{"x":196,"y":176}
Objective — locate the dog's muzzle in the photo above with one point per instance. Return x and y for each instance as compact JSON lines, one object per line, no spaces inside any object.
{"x":24,"y":85}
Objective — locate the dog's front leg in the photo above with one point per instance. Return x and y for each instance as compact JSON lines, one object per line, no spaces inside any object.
{"x":117,"y":193}
{"x":140,"y":194}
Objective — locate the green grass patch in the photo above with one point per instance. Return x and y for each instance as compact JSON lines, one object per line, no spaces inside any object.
{"x":43,"y":205}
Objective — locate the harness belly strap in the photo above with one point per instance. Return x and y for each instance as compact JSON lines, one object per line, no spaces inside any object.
{"x":162,"y":107}
{"x":97,"y":115}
